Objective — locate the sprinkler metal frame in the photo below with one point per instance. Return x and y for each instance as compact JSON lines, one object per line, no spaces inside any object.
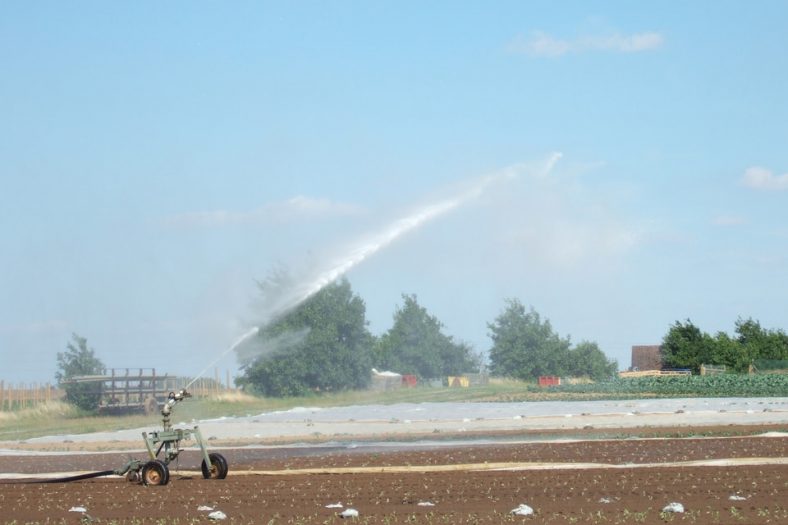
{"x":156,"y":471}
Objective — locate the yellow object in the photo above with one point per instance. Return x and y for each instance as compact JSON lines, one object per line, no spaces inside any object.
{"x":459,"y":381}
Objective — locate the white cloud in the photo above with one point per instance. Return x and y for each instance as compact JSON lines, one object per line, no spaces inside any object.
{"x":729,"y":220}
{"x":625,"y":43}
{"x":545,"y":45}
{"x":296,"y":208}
{"x":763,"y":179}
{"x":540,"y":44}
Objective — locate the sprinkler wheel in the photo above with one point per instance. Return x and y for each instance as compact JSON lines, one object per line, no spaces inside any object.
{"x":155,"y":472}
{"x":217,"y":469}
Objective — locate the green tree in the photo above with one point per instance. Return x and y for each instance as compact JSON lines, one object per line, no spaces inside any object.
{"x":415,"y":344}
{"x":757,"y":343}
{"x":760,"y":343}
{"x":586,"y":359}
{"x":459,"y":358}
{"x":731,"y":353}
{"x":686,"y":346}
{"x":524,"y":346}
{"x":331,"y":348}
{"x":79,"y":360}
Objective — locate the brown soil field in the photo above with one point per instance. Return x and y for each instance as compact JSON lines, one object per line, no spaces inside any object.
{"x":726,"y":476}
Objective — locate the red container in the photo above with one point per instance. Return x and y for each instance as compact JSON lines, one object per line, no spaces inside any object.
{"x":549,"y":380}
{"x":409,"y":380}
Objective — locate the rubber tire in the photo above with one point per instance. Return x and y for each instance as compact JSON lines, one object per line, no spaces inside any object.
{"x":218,"y":468}
{"x":155,"y":473}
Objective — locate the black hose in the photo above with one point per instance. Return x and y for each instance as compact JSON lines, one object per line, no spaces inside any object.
{"x":76,"y":478}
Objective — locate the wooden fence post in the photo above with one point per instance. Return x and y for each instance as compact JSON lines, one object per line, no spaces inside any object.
{"x":19,"y":396}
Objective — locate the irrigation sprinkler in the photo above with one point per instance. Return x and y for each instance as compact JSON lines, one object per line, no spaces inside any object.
{"x":163,"y":447}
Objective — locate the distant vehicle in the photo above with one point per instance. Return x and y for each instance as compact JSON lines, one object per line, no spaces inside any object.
{"x":128,"y":390}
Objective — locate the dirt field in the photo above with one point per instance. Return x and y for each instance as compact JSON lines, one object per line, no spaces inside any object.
{"x":740,"y":477}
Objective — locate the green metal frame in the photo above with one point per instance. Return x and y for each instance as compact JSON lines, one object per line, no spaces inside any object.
{"x":170,"y":440}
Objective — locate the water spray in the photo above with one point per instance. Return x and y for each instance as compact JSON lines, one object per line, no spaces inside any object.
{"x":388,"y":235}
{"x":253,"y":331}
{"x":374,"y":243}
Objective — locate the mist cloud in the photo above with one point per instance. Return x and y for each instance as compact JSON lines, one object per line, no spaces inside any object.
{"x":256,"y":347}
{"x":561,"y":220}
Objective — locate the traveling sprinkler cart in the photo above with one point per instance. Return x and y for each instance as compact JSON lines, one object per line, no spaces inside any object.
{"x":166,"y":444}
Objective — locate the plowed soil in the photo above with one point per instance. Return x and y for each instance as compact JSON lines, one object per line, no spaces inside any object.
{"x":722,"y":479}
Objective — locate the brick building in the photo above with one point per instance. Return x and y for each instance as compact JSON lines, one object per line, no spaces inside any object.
{"x":647,"y":357}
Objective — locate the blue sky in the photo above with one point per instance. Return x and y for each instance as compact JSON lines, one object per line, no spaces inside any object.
{"x":157,"y":159}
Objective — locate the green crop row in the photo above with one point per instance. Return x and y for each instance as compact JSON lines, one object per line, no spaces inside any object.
{"x":726,"y":385}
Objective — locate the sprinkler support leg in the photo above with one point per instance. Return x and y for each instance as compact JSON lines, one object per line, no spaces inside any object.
{"x":149,"y":445}
{"x":203,"y":448}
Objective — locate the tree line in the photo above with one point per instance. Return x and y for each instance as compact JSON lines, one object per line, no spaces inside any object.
{"x":334,"y":350}
{"x":324,"y":345}
{"x":526,"y":347}
{"x":686,"y":346}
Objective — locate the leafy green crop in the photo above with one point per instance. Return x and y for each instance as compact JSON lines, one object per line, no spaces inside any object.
{"x":728,"y":385}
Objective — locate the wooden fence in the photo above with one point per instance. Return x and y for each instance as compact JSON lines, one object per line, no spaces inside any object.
{"x":203,"y":387}
{"x":26,"y":395}
{"x":712,"y":370}
{"x":647,"y":373}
